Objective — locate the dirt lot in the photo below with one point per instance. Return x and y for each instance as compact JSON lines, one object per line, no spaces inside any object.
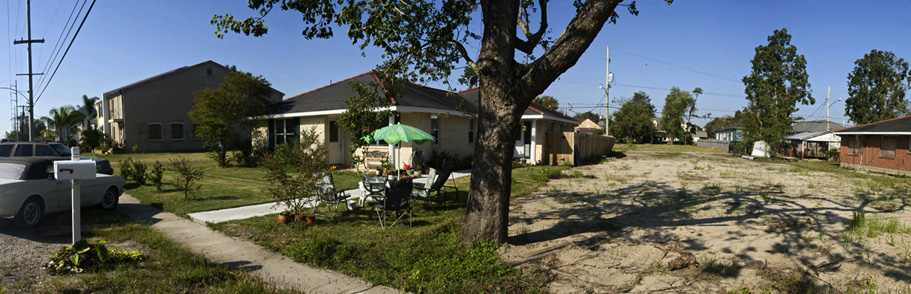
{"x":675,"y":222}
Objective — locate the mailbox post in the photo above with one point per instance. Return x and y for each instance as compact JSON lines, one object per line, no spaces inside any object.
{"x":75,"y":170}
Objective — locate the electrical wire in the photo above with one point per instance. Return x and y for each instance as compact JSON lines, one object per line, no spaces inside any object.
{"x":67,"y":50}
{"x":680,"y":67}
{"x":62,"y":39}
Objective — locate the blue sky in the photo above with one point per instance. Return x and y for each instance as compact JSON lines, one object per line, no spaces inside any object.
{"x":704,"y":43}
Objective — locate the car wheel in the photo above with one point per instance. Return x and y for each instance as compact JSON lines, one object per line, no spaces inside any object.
{"x":30,"y":213}
{"x":110,"y":199}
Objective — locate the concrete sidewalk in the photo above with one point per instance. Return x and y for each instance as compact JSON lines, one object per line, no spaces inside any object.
{"x":245,"y":212}
{"x":271,"y":267}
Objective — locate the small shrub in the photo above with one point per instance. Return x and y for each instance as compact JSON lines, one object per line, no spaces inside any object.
{"x":85,"y":256}
{"x":187,"y":176}
{"x":156,"y":174}
{"x":139,"y":172}
{"x":244,"y":155}
{"x":135,"y":147}
{"x":460,"y":162}
{"x":126,"y":168}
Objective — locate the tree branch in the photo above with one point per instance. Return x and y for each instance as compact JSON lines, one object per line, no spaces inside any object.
{"x":568,"y":48}
{"x":528,"y":46}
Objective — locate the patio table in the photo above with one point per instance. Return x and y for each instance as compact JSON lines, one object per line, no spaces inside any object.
{"x":371,"y":186}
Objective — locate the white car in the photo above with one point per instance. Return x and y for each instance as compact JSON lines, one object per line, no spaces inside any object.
{"x":28,"y":190}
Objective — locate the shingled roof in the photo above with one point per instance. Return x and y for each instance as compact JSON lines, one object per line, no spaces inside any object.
{"x":332,"y":97}
{"x":534,"y":109}
{"x":895,"y":126}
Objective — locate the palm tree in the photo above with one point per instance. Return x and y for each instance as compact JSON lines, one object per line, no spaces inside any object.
{"x":90,"y":113}
{"x":64,"y":121}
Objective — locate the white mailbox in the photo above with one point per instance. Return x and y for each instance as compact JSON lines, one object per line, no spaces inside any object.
{"x":74,"y":170}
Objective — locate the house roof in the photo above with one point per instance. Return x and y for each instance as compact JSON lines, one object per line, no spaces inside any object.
{"x":814,"y":137}
{"x":534,"y":109}
{"x":895,"y":126}
{"x":702,"y":134}
{"x":815,"y":126}
{"x":110,"y":93}
{"x":332,"y":97}
{"x":588,"y":123}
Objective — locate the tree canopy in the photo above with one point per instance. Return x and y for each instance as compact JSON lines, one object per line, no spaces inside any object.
{"x":633,"y":122}
{"x":426,"y":40}
{"x":548,"y":101}
{"x":595,"y":118}
{"x":222,"y":113}
{"x":877,"y":87}
{"x":778,"y":82}
{"x":677,"y":105}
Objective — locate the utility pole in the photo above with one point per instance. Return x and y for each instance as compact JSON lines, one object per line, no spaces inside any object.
{"x":827,"y":108}
{"x":30,"y":74}
{"x":607,"y":94}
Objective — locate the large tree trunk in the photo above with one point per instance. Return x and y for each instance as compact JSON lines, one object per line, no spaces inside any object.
{"x":507,"y":88}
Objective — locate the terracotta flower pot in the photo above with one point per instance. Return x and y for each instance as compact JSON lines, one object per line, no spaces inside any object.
{"x":299,"y":217}
{"x":311,"y":219}
{"x":284,"y":218}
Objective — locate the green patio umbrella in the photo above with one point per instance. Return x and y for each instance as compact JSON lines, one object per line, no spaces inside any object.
{"x":398,"y":133}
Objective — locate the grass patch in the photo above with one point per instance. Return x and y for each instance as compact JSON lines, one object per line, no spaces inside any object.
{"x":834,"y":167}
{"x":664,"y":148}
{"x":526,"y":180}
{"x":429,"y":257}
{"x":221,"y":187}
{"x":168,"y":268}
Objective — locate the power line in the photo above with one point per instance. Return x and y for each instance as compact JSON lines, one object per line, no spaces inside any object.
{"x":67,"y":49}
{"x":666,"y":89}
{"x":680,"y":67}
{"x":62,"y":39}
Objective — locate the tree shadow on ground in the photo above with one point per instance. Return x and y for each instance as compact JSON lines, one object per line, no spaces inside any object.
{"x":658,"y":208}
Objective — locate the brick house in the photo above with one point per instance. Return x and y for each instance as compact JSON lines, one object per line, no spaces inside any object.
{"x":881,"y":146}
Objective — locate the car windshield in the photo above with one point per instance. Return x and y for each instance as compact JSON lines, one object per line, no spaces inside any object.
{"x":60,"y":148}
{"x":11,"y":171}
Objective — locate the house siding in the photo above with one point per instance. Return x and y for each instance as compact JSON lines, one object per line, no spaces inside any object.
{"x":869,"y":154}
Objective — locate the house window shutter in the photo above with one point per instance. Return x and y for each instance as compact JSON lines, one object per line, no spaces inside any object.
{"x":271,"y":135}
{"x":296,"y":128}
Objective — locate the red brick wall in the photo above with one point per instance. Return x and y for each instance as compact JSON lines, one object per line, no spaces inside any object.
{"x":869,"y":152}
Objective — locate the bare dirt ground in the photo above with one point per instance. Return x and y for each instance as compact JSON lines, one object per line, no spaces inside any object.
{"x":674,"y":222}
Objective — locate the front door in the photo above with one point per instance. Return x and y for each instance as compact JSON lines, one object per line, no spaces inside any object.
{"x":336,"y":152}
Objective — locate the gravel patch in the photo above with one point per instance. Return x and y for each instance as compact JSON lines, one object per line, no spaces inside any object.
{"x":24,"y":251}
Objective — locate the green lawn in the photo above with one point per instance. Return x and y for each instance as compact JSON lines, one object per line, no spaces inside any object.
{"x":221,"y":187}
{"x":428,"y":257}
{"x":663,"y":148}
{"x":168,"y":267}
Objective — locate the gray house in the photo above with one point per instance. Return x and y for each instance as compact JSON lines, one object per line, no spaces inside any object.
{"x":153,"y":114}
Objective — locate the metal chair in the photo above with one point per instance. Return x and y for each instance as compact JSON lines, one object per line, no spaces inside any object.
{"x":374,"y":187}
{"x":326,"y":193}
{"x":427,"y":190}
{"x":397,"y":200}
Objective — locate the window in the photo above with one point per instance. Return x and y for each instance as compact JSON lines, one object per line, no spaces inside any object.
{"x":887,"y":148}
{"x":435,"y":129}
{"x":909,"y":144}
{"x":471,"y":127}
{"x":177,"y":131}
{"x":155,"y":132}
{"x":209,"y":71}
{"x":42,"y":150}
{"x":24,"y":150}
{"x":853,"y":144}
{"x":284,"y":131}
{"x":333,"y":132}
{"x":6,"y":149}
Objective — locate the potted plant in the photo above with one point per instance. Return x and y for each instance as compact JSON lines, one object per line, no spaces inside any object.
{"x":289,"y":171}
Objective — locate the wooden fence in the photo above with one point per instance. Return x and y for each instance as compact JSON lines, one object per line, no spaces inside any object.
{"x":574,"y":147}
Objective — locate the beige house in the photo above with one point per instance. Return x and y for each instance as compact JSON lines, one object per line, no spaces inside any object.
{"x":587,"y":126}
{"x":448,"y":116}
{"x":153,"y":114}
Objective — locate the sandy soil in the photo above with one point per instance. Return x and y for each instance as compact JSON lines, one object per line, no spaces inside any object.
{"x":660,"y":222}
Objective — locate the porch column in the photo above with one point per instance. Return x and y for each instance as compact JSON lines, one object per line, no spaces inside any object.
{"x":534,"y":142}
{"x":395,"y":162}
